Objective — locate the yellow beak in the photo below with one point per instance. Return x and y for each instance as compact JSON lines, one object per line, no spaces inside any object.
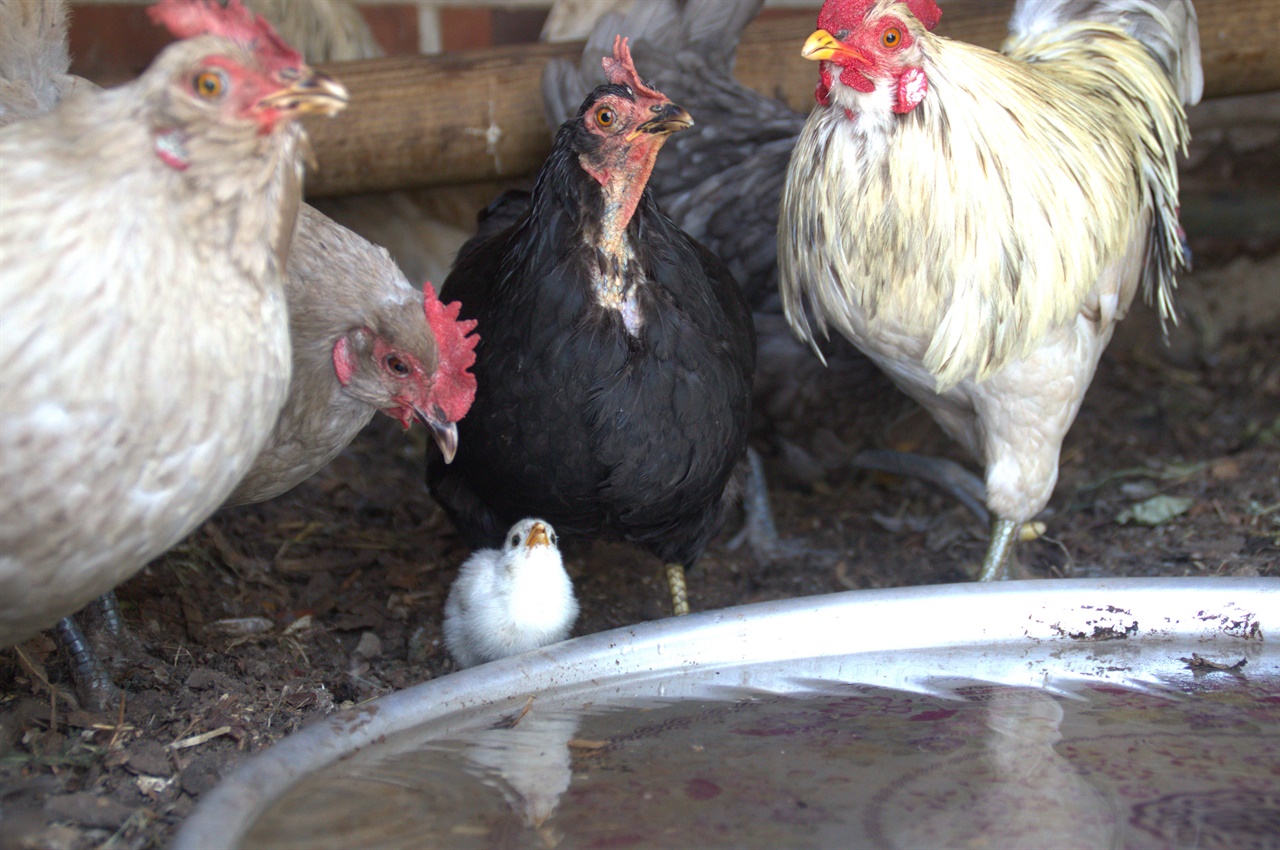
{"x":824,"y":45}
{"x":314,"y":93}
{"x":537,"y":536}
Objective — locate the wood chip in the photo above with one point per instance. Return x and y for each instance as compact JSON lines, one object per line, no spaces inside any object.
{"x":197,"y":740}
{"x":587,"y":744}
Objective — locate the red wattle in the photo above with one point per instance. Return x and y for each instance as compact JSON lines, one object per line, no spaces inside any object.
{"x":823,"y":92}
{"x":855,"y":79}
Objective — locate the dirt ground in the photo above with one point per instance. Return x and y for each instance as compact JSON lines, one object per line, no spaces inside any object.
{"x":275,"y":615}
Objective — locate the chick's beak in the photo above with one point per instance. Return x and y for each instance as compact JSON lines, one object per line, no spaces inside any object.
{"x":824,"y":45}
{"x":537,"y":536}
{"x":668,"y":118}
{"x":445,"y":433}
{"x":314,"y":92}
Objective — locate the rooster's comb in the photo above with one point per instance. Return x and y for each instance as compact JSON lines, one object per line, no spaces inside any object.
{"x":190,"y":18}
{"x":621,"y":71}
{"x":838,"y":14}
{"x":455,"y":387}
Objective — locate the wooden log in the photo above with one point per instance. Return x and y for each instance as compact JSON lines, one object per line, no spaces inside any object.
{"x":419,"y":121}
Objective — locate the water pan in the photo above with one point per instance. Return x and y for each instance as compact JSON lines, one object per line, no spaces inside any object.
{"x":1115,"y":713}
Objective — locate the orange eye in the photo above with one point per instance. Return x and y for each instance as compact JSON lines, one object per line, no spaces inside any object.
{"x":605,"y":117}
{"x":891,"y":37}
{"x":208,"y":84}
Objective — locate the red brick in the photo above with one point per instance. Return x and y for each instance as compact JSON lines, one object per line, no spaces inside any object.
{"x":465,"y":29}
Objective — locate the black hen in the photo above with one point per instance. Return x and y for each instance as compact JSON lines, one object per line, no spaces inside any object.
{"x":616,"y":355}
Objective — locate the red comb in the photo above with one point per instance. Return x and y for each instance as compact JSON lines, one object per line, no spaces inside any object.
{"x":621,"y":71}
{"x":189,"y":18}
{"x":455,"y":387}
{"x":838,"y":14}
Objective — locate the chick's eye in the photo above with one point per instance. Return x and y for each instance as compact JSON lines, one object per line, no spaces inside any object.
{"x":891,"y":37}
{"x":208,"y":84}
{"x":396,"y":365}
{"x":605,"y":117}
{"x":515,"y":540}
{"x":553,"y":540}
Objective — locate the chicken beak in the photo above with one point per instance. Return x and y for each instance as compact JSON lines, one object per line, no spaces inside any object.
{"x":824,"y":45}
{"x":315,"y":92}
{"x":537,"y":536}
{"x":668,"y":119}
{"x":445,"y":433}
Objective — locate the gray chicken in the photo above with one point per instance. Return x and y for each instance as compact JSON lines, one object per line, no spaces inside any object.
{"x":144,"y":351}
{"x":364,"y":340}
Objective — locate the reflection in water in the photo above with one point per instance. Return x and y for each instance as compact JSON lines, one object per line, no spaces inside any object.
{"x":962,"y":764}
{"x":1019,"y":792}
{"x":528,"y":762}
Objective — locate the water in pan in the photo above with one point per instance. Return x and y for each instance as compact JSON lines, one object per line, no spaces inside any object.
{"x":967,"y":765}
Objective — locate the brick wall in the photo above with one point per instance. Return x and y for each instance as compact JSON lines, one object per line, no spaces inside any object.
{"x":113,"y":40}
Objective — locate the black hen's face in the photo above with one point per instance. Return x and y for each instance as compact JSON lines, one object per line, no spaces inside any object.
{"x":617,"y":132}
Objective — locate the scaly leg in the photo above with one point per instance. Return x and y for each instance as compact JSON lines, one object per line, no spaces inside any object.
{"x":758,"y":528}
{"x":109,"y":609}
{"x":93,"y":684}
{"x":1003,"y":534}
{"x":679,"y":594}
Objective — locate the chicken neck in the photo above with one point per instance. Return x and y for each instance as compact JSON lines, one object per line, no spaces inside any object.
{"x":623,"y":177}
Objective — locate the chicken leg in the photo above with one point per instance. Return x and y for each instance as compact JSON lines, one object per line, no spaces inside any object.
{"x":679,"y":593}
{"x":1003,"y":534}
{"x":94,"y":687}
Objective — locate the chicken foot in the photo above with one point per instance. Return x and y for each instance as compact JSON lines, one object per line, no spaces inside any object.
{"x":94,"y":687}
{"x":967,"y":489}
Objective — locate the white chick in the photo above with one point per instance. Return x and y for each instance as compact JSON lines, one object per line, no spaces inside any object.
{"x":512,"y":600}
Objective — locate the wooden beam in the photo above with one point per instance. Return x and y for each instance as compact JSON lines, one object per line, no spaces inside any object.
{"x":419,"y":121}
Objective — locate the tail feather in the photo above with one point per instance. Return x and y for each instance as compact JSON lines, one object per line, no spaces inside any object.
{"x":1169,"y":29}
{"x":33,"y":57}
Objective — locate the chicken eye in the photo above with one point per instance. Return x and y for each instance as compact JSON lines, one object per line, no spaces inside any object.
{"x":515,"y":540}
{"x":891,"y":37}
{"x":208,"y":84}
{"x":605,"y":117}
{"x":396,"y":365}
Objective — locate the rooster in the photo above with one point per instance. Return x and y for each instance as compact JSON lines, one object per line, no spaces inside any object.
{"x":977,"y":222}
{"x":615,"y":363}
{"x":144,"y":350}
